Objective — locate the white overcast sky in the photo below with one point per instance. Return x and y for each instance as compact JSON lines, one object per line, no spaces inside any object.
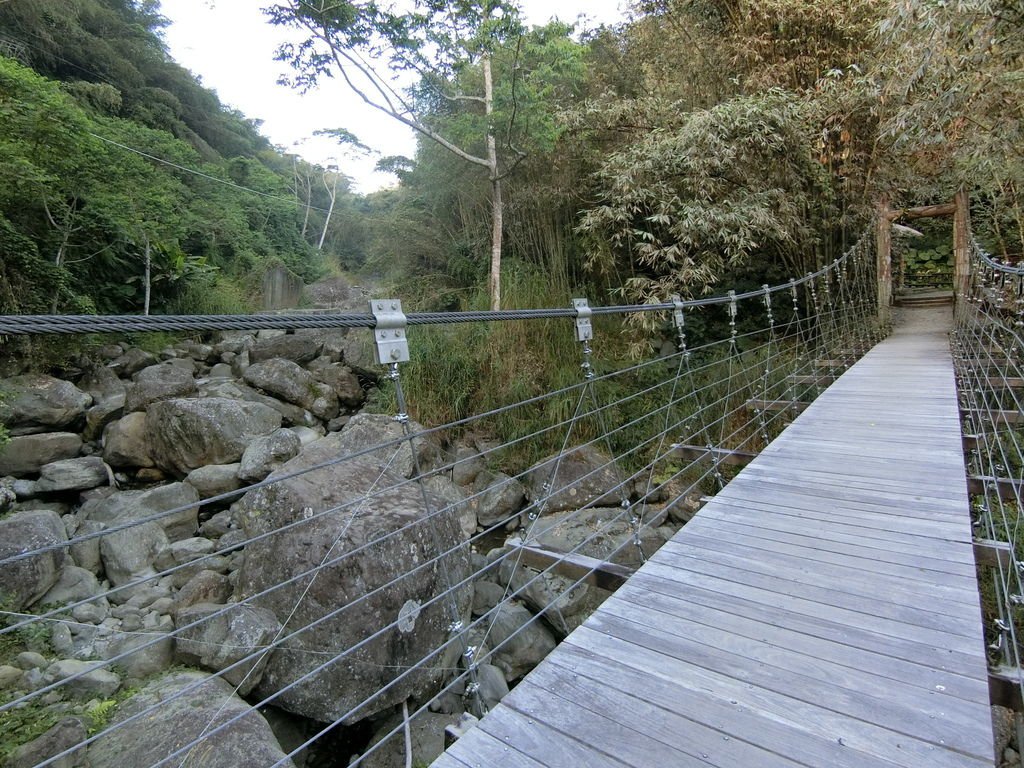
{"x":230,"y":45}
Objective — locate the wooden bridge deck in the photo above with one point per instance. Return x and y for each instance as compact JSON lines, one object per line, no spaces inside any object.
{"x":822,"y":610}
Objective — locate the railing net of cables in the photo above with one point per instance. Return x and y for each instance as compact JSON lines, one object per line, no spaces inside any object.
{"x":988,"y":346}
{"x":381,"y":582}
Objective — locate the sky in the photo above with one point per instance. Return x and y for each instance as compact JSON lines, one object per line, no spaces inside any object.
{"x":230,"y":46}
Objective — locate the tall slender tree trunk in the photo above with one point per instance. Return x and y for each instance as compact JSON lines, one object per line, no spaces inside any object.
{"x":333,"y":192}
{"x":147,"y":282}
{"x":497,"y":211}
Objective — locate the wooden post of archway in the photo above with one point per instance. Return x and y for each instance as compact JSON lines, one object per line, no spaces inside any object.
{"x":883,"y":252}
{"x":959,"y":209}
{"x":961,"y":244}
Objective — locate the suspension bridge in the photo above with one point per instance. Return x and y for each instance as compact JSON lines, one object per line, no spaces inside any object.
{"x":821,"y":608}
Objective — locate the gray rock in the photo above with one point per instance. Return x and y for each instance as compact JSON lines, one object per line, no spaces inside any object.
{"x":344,"y":383}
{"x":486,"y":595}
{"x":298,"y":349}
{"x":221,"y":371}
{"x":390,"y":512}
{"x":83,"y":679}
{"x":468,"y":464}
{"x":217,"y":525}
{"x":26,"y":455}
{"x":191,"y":433}
{"x":454,"y":498}
{"x":158,"y":382}
{"x":9,"y":676}
{"x":225,"y":635}
{"x":365,"y":430}
{"x":583,"y":476}
{"x":30,"y":660}
{"x":500,"y":500}
{"x":426,"y":730}
{"x":23,"y":582}
{"x":73,"y":585}
{"x":493,"y":686}
{"x":181,"y":363}
{"x":103,"y":385}
{"x":215,"y":479}
{"x":187,"y":550}
{"x":37,"y":403}
{"x":140,"y":655}
{"x":63,"y":736}
{"x":208,"y":703}
{"x":8,"y":496}
{"x":129,"y":554}
{"x":564,"y":604}
{"x":99,"y":416}
{"x":308,"y":435}
{"x":73,"y":475}
{"x":232,"y":390}
{"x":603,"y":533}
{"x":519,"y":641}
{"x":202,"y":353}
{"x":264,"y":454}
{"x":60,"y":639}
{"x":126,"y":442}
{"x":131,"y":362}
{"x":24,"y":489}
{"x":290,"y":382}
{"x":240,"y":363}
{"x":90,"y":613}
{"x":205,"y":587}
{"x":85,"y":552}
{"x":125,"y":506}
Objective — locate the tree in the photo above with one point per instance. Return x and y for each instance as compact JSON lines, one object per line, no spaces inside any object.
{"x":684,"y":201}
{"x":450,"y":50}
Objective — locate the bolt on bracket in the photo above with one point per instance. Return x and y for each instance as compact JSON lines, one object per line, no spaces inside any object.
{"x":678,"y":315}
{"x":584,"y":328}
{"x":390,"y":344}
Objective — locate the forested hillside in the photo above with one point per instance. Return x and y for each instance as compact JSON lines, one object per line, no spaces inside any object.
{"x":702,"y":142}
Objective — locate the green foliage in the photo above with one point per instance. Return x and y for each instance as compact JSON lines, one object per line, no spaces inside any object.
{"x":721,"y":187}
{"x":24,"y":724}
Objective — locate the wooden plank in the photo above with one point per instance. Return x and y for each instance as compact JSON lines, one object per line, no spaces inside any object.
{"x":789,"y":740}
{"x":572,"y":565}
{"x":1004,"y":684}
{"x":722,"y":456}
{"x":1005,"y":488}
{"x":689,"y":742}
{"x":993,"y":554}
{"x":660,"y":651}
{"x":994,"y":417}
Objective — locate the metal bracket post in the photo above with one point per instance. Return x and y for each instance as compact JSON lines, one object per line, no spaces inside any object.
{"x":584,"y":328}
{"x":390,"y":344}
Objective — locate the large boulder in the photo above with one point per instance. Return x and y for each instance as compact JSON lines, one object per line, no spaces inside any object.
{"x":519,"y":640}
{"x":37,"y":403}
{"x":264,"y":454}
{"x":233,"y":390}
{"x":215,"y":479}
{"x":364,"y":528}
{"x":344,"y":383}
{"x":130,"y":553}
{"x":498,"y":499}
{"x":190,"y":706}
{"x":108,"y":394}
{"x":191,"y":433}
{"x":580,"y":477}
{"x":132,"y":361}
{"x":156,"y":503}
{"x":298,"y":349}
{"x":126,"y":442}
{"x":24,"y":581}
{"x":602,"y":533}
{"x":26,"y":455}
{"x":79,"y":474}
{"x":290,"y":382}
{"x":217,"y":637}
{"x":158,"y":382}
{"x":63,"y":736}
{"x":366,"y":430}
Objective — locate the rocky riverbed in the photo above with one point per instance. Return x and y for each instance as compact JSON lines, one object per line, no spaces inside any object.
{"x":130,"y":524}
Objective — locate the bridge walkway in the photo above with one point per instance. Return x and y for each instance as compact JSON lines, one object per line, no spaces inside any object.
{"x":822,"y":610}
